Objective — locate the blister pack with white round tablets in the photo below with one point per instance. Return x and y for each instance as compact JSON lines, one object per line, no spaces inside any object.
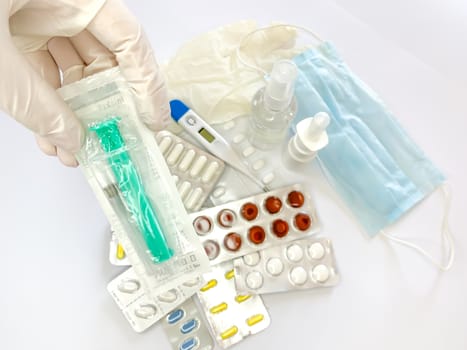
{"x":302,"y":264}
{"x":142,"y":311}
{"x":194,"y":171}
{"x":254,"y":223}
{"x":186,"y":328}
{"x":232,"y":316}
{"x":265,"y":165}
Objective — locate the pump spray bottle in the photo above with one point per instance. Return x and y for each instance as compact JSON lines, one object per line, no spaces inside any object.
{"x":274,"y":106}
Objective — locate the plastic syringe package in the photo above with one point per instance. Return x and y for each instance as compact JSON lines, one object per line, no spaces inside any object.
{"x":254,"y":223}
{"x":195,"y":173}
{"x":232,"y":316}
{"x":142,"y":311}
{"x":127,"y":172}
{"x":302,"y":264}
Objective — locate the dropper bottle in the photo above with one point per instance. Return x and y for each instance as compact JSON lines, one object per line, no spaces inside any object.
{"x":311,"y":136}
{"x":274,"y":106}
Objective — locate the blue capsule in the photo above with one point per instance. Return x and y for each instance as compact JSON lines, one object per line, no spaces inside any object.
{"x":188,"y":326}
{"x":189,"y":344}
{"x":175,"y":316}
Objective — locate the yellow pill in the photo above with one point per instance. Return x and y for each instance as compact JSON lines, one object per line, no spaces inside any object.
{"x":242,"y":298}
{"x":254,"y":319}
{"x":209,"y":285}
{"x":229,"y":332}
{"x":120,"y":252}
{"x":230,"y":274}
{"x":218,"y":308}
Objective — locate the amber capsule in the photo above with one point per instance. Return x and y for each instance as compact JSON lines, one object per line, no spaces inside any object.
{"x":280,"y":228}
{"x":256,"y":234}
{"x":296,"y":199}
{"x":273,"y":205}
{"x":302,"y":221}
{"x":249,"y":211}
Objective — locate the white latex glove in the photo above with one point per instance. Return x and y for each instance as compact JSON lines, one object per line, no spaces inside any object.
{"x":81,"y":37}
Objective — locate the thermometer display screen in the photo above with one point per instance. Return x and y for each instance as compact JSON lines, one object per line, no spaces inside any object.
{"x":206,"y":135}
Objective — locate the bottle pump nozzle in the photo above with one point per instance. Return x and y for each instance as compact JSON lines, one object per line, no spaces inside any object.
{"x":280,"y":87}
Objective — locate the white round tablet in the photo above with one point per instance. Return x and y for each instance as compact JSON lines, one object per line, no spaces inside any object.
{"x":168,"y":297}
{"x":298,"y":275}
{"x":316,"y":251}
{"x":129,"y":286}
{"x":146,"y":311}
{"x":275,"y":266}
{"x":254,"y":280}
{"x":294,"y":252}
{"x":320,"y":273}
{"x":251,"y":259}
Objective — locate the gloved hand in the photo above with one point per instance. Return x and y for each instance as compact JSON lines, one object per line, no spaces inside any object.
{"x":81,"y":37}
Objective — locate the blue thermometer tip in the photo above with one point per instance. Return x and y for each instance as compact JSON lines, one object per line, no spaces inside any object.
{"x":178,"y":109}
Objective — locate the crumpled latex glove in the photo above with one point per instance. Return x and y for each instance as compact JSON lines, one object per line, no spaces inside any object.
{"x":79,"y":37}
{"x":207,"y":74}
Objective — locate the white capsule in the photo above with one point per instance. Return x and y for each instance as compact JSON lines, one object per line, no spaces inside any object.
{"x":210,"y":172}
{"x":239,"y":138}
{"x":129,"y":286}
{"x":316,"y":251}
{"x":254,"y":280}
{"x":229,"y":125}
{"x":168,"y":297}
{"x":194,"y":198}
{"x":248,"y":151}
{"x":198,"y":166}
{"x":258,"y":164}
{"x":175,"y":154}
{"x":251,"y":259}
{"x":165,"y":144}
{"x":298,"y":275}
{"x":186,"y":160}
{"x":294,"y":253}
{"x":268,"y":178}
{"x":184,"y":188}
{"x":320,"y":273}
{"x":275,"y":266}
{"x":146,"y":311}
{"x":219,"y":191}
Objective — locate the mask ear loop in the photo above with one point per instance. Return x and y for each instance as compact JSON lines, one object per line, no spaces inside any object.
{"x":445,"y":234}
{"x":247,"y":36}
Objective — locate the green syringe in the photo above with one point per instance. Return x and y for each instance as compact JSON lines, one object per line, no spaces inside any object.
{"x":131,"y":187}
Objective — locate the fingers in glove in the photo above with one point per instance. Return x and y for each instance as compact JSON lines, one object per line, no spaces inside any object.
{"x":33,"y":102}
{"x":122,"y":34}
{"x":67,"y":59}
{"x":95,"y":55}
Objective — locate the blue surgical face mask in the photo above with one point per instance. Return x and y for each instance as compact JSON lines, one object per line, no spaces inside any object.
{"x":376,"y":168}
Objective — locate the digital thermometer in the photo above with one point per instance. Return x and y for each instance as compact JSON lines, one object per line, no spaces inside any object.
{"x":209,"y":138}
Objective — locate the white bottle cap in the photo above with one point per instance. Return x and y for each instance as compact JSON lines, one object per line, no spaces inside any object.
{"x":280,"y":87}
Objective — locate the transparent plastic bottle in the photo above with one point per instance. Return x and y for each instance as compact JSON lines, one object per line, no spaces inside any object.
{"x":274,"y":107}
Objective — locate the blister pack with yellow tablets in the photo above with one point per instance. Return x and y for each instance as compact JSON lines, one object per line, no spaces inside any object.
{"x":231,"y":316}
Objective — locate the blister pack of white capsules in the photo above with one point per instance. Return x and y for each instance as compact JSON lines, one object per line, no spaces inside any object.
{"x":128,"y":174}
{"x":254,"y":223}
{"x":231,"y":315}
{"x":186,"y":328}
{"x":266,"y":165}
{"x":143,"y":311}
{"x":195,"y":173}
{"x":303,"y":264}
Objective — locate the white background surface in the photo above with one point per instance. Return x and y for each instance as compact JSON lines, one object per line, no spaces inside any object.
{"x":413,"y":53}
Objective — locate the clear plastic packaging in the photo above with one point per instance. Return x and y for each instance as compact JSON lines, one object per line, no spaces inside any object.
{"x":141,"y":310}
{"x":186,"y":328}
{"x":302,"y":264}
{"x":232,"y":316}
{"x":127,"y":172}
